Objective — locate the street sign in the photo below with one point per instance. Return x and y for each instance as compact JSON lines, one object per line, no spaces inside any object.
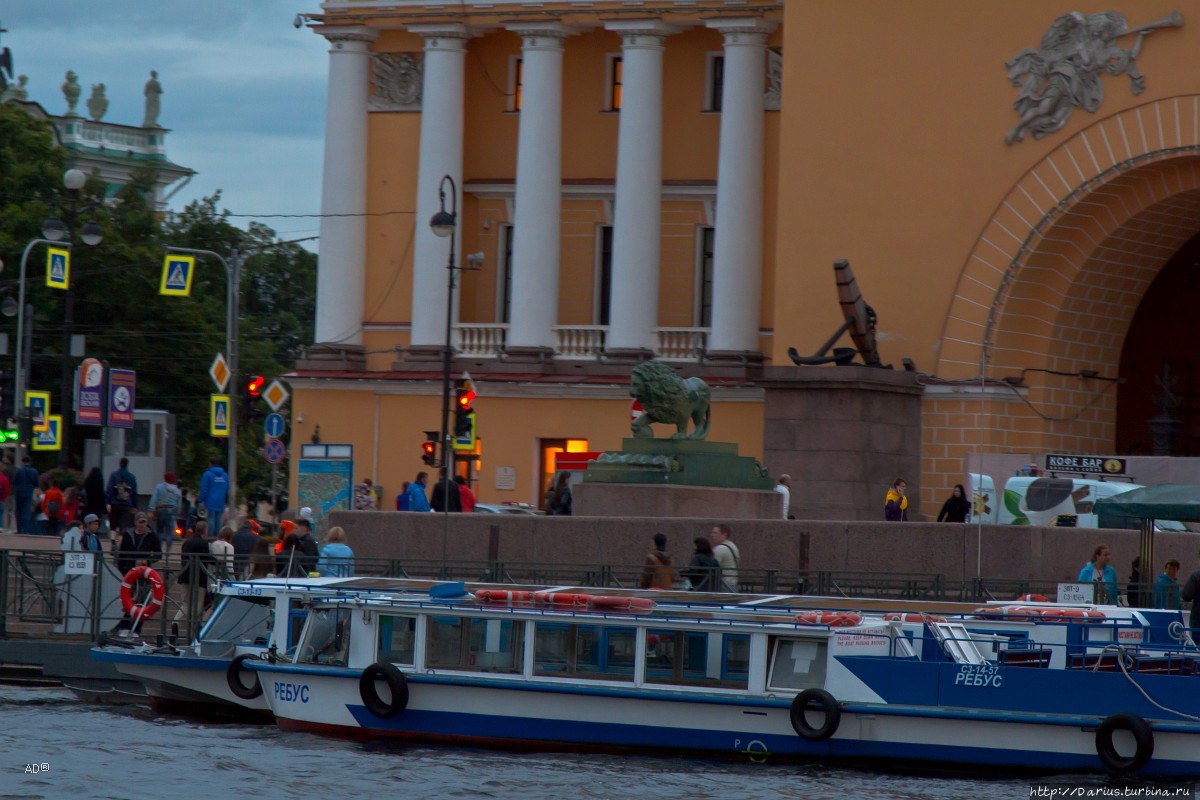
{"x":276,"y":395}
{"x":466,"y":442}
{"x":274,"y":425}
{"x":122,"y":387}
{"x":274,"y":451}
{"x":58,"y":267}
{"x":89,"y":393}
{"x":218,"y":421}
{"x":635,"y":411}
{"x":219,"y":372}
{"x":39,"y":403}
{"x":177,"y":275}
{"x":48,"y":439}
{"x":78,"y":563}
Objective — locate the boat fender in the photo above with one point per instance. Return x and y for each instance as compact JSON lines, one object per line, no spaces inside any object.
{"x":233,"y":677}
{"x":158,"y":592}
{"x":819,"y":700}
{"x":1142,"y":735}
{"x":397,"y":684}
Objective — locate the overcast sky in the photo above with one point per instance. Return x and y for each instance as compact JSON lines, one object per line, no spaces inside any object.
{"x":243,"y":90}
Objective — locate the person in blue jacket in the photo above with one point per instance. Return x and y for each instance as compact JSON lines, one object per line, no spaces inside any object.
{"x":24,"y":481}
{"x":417,"y":501}
{"x":1100,"y":572}
{"x":1166,"y":588}
{"x":214,"y":493}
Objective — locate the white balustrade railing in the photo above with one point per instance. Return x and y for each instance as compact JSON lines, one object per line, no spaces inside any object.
{"x":681,"y":344}
{"x":480,"y":339}
{"x":580,"y":341}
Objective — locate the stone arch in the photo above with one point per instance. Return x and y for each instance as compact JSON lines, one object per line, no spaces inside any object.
{"x":1051,"y":285}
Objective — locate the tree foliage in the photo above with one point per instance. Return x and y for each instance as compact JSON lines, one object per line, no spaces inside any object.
{"x":169,"y":341}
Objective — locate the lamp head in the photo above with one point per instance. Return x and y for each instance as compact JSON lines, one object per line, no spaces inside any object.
{"x":9,"y":307}
{"x":443,"y":224}
{"x":92,"y":233}
{"x":74,"y":179}
{"x":54,"y":229}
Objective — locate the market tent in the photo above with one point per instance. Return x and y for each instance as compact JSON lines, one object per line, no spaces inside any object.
{"x":1177,"y":501}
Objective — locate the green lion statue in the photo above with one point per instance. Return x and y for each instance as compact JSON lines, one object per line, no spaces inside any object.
{"x":669,"y":399}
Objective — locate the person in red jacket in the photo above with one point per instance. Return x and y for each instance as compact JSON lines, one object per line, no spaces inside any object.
{"x":465,"y":495}
{"x":54,"y":508}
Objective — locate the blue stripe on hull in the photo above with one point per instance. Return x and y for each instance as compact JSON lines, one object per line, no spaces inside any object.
{"x":484,"y":729}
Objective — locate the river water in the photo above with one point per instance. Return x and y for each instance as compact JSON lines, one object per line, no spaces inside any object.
{"x":53,"y":746}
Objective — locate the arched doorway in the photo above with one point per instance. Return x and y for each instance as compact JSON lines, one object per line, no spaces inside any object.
{"x":1033,"y":343}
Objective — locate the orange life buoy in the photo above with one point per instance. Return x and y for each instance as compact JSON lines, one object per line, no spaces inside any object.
{"x":1069,"y":614}
{"x":636,"y":605}
{"x":1034,"y":598}
{"x":158,"y":591}
{"x":563,"y":599}
{"x":834,"y":619}
{"x":505,"y":597}
{"x":896,"y":616}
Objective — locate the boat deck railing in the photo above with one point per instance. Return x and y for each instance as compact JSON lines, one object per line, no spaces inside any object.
{"x":39,"y":599}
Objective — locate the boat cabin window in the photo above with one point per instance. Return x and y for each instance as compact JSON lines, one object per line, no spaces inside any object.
{"x":397,"y":637}
{"x":797,"y":663}
{"x":698,"y":658}
{"x":240,"y":620}
{"x":474,"y":643}
{"x":596,"y":652}
{"x":326,"y":638}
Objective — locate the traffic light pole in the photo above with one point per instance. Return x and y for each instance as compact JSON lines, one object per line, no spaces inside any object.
{"x":19,"y":383}
{"x":233,"y":274}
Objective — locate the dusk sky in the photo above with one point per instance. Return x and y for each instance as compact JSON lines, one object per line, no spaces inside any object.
{"x":243,"y":90}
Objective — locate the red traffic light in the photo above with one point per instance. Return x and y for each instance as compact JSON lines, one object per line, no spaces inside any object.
{"x":254,"y":386}
{"x":428,"y":450}
{"x":465,"y":397}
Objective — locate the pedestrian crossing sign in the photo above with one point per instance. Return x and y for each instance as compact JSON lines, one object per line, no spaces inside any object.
{"x":219,"y":416}
{"x":48,"y":439}
{"x":177,"y":275}
{"x":39,"y":405}
{"x":58,"y":268}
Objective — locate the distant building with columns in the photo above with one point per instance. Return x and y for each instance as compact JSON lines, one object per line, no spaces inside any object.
{"x":676,"y":179}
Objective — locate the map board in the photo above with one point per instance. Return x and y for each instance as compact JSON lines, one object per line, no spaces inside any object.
{"x":325,"y":481}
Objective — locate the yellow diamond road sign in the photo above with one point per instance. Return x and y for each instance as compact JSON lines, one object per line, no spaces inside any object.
{"x":276,"y":395}
{"x":219,"y":372}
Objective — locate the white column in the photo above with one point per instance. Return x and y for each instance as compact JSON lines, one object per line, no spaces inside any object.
{"x":536,"y":226}
{"x":341,"y":255}
{"x":441,"y":154}
{"x":738,"y":238}
{"x":638,"y":207}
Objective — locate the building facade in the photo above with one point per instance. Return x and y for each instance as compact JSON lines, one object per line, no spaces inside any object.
{"x":675,"y":180}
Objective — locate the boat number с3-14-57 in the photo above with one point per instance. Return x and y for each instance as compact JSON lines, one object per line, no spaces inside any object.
{"x":985,"y":676}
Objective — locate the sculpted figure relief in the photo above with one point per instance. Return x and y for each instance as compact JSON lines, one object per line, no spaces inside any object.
{"x":396,"y":80}
{"x":152,"y":91}
{"x":669,"y":399}
{"x":16,"y":91}
{"x":1064,"y":74}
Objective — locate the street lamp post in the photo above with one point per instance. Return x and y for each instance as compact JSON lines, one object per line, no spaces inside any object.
{"x":445,"y":223}
{"x":233,"y":275}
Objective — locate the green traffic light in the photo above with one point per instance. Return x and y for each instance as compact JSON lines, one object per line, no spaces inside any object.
{"x":9,"y":436}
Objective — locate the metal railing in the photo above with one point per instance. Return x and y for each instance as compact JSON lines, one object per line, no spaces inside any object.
{"x":39,"y":598}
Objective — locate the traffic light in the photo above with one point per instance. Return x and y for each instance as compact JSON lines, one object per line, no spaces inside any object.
{"x":11,"y":432}
{"x":254,"y":389}
{"x":6,"y":390}
{"x":429,"y":448}
{"x":462,"y":410}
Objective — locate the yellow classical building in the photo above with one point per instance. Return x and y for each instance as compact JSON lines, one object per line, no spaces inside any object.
{"x":1014,"y":183}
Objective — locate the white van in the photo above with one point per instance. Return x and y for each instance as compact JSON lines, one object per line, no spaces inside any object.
{"x":1048,"y":501}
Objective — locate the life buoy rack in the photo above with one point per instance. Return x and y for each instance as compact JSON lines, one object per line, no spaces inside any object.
{"x":834,"y":619}
{"x":1036,"y":613}
{"x":397,"y":685}
{"x":1114,"y":761}
{"x":158,"y":591}
{"x":816,"y":700}
{"x":233,"y":677}
{"x":635,"y":605}
{"x":896,"y":616}
{"x":505,"y":597}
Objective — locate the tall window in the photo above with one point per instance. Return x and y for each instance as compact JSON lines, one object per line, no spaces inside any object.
{"x":704,"y":278}
{"x":517,"y":82}
{"x":715,"y":82}
{"x":506,"y":274}
{"x":616,"y":69}
{"x":604,"y":274}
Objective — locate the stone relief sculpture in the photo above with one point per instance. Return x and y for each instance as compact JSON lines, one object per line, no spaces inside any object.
{"x":669,"y":399}
{"x":396,"y":80}
{"x":772,"y":101}
{"x":97,"y":104}
{"x":153,"y":92}
{"x":1064,"y":74}
{"x":70,"y":90}
{"x":16,"y":91}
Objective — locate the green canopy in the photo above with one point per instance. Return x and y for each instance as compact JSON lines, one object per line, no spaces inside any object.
{"x":1177,"y":501}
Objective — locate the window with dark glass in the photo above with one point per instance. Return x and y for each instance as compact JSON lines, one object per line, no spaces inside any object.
{"x":716,"y":82}
{"x":596,"y":652}
{"x":506,"y":267}
{"x":704,"y":311}
{"x":475,"y":644}
{"x":604,"y":290}
{"x":683,"y":658}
